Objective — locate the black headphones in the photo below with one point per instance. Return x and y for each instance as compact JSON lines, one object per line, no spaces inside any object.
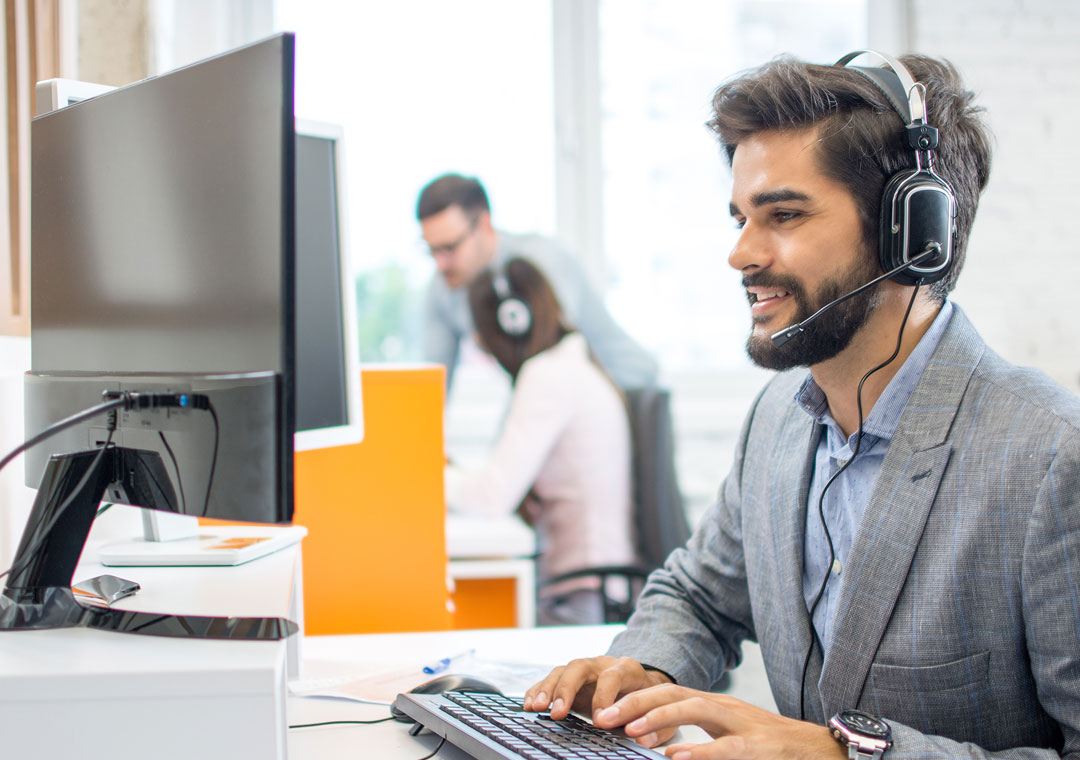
{"x":512,"y":314}
{"x":918,"y":208}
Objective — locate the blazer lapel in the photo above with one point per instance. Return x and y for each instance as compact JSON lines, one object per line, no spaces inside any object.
{"x":788,"y":499}
{"x":893,"y":522}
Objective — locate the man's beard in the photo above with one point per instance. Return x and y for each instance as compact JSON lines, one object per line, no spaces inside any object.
{"x":830,"y":333}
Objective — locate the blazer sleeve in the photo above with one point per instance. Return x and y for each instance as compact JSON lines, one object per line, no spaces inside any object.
{"x":695,"y":611}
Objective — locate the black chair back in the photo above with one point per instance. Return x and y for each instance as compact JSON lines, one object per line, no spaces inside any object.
{"x":659,"y":517}
{"x":660,"y":524}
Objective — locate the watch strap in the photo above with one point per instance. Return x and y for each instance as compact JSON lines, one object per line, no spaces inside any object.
{"x":854,"y":752}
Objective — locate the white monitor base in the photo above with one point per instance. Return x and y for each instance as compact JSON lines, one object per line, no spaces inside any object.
{"x":212,"y":546}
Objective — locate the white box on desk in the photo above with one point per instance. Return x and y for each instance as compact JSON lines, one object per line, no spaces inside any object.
{"x":95,"y":695}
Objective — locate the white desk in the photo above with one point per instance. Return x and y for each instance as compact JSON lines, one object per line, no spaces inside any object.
{"x":91,"y":694}
{"x":495,"y":547}
{"x":469,"y":536}
{"x":326,"y":656}
{"x":96,"y":695}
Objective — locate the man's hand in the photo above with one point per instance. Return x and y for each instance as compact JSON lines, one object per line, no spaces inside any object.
{"x":739,"y":730}
{"x":590,"y":685}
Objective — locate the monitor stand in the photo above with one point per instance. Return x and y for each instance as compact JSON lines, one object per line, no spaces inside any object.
{"x":38,"y":593}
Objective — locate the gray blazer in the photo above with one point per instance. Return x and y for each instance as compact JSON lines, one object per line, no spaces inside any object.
{"x":959,"y":611}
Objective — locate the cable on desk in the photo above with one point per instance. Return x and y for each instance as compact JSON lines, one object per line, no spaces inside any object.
{"x":365,"y":723}
{"x":434,"y":751}
{"x":341,"y":723}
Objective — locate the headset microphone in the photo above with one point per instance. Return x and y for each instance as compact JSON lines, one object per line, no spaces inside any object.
{"x":782,"y":337}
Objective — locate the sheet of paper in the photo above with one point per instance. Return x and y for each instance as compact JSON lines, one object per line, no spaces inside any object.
{"x":382,"y":686}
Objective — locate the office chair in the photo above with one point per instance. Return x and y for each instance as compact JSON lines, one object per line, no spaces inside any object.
{"x":659,"y":519}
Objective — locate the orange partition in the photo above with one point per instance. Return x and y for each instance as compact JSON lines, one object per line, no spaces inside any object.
{"x":375,"y":553}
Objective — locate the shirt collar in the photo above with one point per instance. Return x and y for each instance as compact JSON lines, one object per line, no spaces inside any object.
{"x":884,"y":417}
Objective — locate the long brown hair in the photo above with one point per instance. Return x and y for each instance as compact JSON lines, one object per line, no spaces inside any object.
{"x":526,"y":283}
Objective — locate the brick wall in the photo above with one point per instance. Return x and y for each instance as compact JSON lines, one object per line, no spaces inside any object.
{"x":1021,"y":280}
{"x":1023,"y":272}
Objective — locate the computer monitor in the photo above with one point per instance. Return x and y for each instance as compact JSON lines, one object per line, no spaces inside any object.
{"x":329,"y":411}
{"x":162,"y":269}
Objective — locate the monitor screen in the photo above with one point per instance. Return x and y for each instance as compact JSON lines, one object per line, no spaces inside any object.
{"x":163,"y":260}
{"x":328,"y":407}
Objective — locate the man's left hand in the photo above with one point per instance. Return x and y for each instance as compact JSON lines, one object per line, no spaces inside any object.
{"x":738,"y":729}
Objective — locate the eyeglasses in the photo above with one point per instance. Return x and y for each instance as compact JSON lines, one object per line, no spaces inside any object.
{"x":450,"y":248}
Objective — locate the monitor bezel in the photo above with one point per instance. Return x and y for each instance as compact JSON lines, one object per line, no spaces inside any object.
{"x":353,"y":431}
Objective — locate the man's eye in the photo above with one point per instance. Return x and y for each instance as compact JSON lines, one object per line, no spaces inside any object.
{"x":739,"y":222}
{"x":785,"y":216}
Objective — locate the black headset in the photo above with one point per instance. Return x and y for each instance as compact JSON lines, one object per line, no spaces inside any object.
{"x":918,"y":208}
{"x":512,"y":314}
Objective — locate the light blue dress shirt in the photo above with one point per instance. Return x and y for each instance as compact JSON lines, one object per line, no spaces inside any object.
{"x":848,"y":495}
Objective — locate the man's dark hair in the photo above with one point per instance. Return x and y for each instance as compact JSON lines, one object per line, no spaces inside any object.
{"x":861,"y":136}
{"x":452,"y":190}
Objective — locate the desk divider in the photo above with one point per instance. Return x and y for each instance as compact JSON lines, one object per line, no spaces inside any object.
{"x":374,"y":559}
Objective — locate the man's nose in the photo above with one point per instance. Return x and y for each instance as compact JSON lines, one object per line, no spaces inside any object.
{"x":750,"y":252}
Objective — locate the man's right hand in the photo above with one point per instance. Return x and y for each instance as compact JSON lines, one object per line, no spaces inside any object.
{"x":590,"y":685}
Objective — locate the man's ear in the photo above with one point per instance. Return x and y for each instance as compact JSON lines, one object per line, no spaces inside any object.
{"x":483,"y":221}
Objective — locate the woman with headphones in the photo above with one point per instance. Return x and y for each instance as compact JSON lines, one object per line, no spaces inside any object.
{"x":563,"y":455}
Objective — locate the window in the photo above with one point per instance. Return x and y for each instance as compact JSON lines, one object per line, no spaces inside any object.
{"x":666,"y":185}
{"x":422,"y":88}
{"x":665,"y":193}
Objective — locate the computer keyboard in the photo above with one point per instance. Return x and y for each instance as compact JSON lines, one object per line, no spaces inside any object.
{"x":494,"y":727}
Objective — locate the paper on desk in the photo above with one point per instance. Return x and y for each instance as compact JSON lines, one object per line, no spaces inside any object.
{"x":381,"y":687}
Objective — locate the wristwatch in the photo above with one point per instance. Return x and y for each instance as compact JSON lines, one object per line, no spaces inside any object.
{"x":865,"y":736}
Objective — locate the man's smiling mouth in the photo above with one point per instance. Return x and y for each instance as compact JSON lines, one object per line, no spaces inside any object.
{"x":764,"y":295}
{"x":758,"y":297}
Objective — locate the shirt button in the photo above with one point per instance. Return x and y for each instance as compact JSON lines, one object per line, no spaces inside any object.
{"x":836,"y":566}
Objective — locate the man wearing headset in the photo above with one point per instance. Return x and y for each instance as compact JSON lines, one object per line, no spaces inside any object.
{"x":900,"y":530}
{"x":455,"y":221}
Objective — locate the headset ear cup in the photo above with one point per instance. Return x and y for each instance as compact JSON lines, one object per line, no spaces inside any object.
{"x":514,"y":317}
{"x":512,"y":314}
{"x":917,"y":208}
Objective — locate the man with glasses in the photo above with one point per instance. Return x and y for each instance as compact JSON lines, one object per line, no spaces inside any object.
{"x":455,"y":222}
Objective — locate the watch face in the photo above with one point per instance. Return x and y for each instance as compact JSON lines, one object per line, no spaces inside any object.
{"x":864,"y":724}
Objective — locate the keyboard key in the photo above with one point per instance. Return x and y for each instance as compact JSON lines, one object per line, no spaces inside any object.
{"x":535,"y":736}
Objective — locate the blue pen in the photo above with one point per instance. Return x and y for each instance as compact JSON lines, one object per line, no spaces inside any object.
{"x":446,"y":662}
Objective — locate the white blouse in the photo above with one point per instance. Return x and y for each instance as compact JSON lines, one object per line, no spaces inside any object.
{"x":566,"y":435}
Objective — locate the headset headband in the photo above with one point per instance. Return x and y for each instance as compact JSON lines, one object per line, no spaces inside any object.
{"x":901,"y":90}
{"x":500,"y":284}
